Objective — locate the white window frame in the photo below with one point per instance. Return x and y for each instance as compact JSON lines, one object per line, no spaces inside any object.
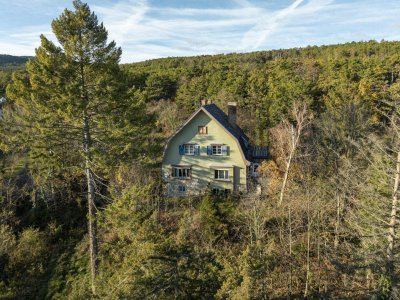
{"x":216,"y":150}
{"x":223,"y":172}
{"x":202,"y":130}
{"x":182,"y":188}
{"x":188,"y":149}
{"x":181,"y":172}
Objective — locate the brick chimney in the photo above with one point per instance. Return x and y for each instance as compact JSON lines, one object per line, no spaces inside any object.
{"x":232,"y":113}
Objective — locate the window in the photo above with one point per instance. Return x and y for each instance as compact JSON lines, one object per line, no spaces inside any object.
{"x":220,"y":192}
{"x":216,"y":149}
{"x":189,"y":149}
{"x":203,"y":130}
{"x":182,"y":188}
{"x":222,"y":150}
{"x":181,"y":172}
{"x":221,"y":174}
{"x":255,"y":167}
{"x":253,"y":170}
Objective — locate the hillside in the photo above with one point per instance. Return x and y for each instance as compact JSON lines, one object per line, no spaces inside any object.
{"x":9,"y":61}
{"x":266,"y":83}
{"x":326,"y":234}
{"x":9,"y":64}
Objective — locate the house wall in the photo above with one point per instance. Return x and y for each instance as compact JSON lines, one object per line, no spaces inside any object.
{"x":202,"y":170}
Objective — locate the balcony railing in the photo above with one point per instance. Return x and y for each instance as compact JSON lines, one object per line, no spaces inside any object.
{"x":259,"y":152}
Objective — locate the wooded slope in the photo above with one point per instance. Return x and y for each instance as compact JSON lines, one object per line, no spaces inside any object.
{"x":327,"y":234}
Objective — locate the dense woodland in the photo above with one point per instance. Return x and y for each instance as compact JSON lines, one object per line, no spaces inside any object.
{"x":81,"y":140}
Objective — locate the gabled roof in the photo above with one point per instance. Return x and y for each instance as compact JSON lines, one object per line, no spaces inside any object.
{"x":237,"y":132}
{"x":215,"y":113}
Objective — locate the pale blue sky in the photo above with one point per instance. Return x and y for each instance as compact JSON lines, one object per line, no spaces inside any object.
{"x":147,"y":29}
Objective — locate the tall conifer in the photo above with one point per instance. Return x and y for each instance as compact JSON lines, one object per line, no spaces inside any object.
{"x":72,"y":110}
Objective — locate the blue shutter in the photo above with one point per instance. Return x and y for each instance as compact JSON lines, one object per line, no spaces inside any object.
{"x":224,"y":150}
{"x":181,"y":149}
{"x":209,"y":150}
{"x":196,"y":150}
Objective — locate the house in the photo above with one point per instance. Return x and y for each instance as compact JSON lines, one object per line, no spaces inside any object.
{"x":210,"y":152}
{"x":2,"y":102}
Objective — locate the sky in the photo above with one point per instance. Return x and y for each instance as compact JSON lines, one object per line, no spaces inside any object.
{"x":147,"y":29}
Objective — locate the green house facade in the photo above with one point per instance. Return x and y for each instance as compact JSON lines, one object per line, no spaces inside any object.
{"x":209,"y":153}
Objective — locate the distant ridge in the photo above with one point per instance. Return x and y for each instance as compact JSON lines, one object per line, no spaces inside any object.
{"x":6,"y":59}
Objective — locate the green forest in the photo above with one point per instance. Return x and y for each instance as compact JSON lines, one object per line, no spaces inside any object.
{"x":82,"y":208}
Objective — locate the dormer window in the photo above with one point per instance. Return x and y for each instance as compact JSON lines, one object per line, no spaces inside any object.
{"x":202,"y":130}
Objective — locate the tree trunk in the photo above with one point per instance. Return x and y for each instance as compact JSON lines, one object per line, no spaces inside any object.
{"x":303,"y":119}
{"x":288,"y":163}
{"x":87,"y":141}
{"x":290,"y":252}
{"x":337,"y":223}
{"x":392,"y":224}
{"x":308,"y":249}
{"x":285,"y":177}
{"x":92,"y":222}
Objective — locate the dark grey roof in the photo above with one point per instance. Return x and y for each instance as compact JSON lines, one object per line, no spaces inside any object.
{"x":237,"y":132}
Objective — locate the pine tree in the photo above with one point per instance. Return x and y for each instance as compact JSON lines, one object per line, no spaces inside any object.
{"x":71,"y":112}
